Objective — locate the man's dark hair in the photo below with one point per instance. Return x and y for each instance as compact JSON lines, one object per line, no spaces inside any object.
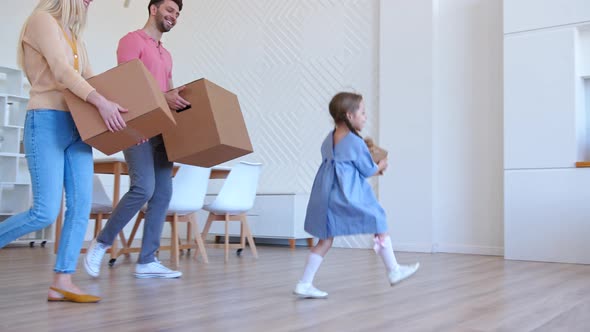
{"x":157,"y":3}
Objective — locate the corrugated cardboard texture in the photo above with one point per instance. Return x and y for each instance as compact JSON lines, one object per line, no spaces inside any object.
{"x":133,"y":87}
{"x":212,"y":131}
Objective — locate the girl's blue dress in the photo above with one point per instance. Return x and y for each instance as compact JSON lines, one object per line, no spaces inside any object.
{"x":342,"y":202}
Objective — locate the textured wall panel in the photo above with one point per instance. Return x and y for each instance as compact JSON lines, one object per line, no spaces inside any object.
{"x":284,"y":59}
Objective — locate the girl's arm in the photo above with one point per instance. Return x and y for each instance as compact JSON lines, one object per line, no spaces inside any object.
{"x":363,"y":160}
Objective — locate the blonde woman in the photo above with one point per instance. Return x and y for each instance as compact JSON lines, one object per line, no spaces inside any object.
{"x":53,"y":57}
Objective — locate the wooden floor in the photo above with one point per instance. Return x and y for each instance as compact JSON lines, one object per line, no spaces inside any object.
{"x":449,"y":293}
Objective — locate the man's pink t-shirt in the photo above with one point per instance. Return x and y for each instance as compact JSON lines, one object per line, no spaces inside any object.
{"x":139,"y":45}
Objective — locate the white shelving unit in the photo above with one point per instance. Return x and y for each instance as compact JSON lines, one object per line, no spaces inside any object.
{"x":15,"y":182}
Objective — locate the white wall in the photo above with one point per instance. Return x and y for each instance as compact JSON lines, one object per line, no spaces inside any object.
{"x":283,"y":70}
{"x":547,"y":108}
{"x":441,"y":92}
{"x":527,"y":15}
{"x":406,"y":100}
{"x":467,"y":140}
{"x":107,"y":21}
{"x":11,"y":26}
{"x":429,"y":70}
{"x":285,"y":62}
{"x":540,"y":99}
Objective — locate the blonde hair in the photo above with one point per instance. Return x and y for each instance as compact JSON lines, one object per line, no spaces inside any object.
{"x":343,"y":103}
{"x":68,"y":13}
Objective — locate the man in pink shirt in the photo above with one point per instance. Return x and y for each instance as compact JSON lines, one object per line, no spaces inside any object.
{"x":149,"y":169}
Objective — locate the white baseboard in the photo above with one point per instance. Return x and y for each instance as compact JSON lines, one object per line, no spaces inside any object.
{"x":403,"y":247}
{"x":413,"y":247}
{"x":449,"y":248}
{"x":471,"y":250}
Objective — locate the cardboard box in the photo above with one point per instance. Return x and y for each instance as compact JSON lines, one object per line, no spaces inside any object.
{"x":377,"y":153}
{"x":210,"y":132}
{"x":133,"y":87}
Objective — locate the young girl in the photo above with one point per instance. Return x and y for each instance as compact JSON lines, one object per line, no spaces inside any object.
{"x":342,"y":202}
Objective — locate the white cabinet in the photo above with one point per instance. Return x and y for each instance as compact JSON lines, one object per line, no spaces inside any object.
{"x":15,"y":182}
{"x":540,"y":110}
{"x":547,"y":215}
{"x":546,"y":130}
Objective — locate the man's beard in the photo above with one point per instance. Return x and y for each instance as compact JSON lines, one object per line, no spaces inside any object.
{"x":162,"y":23}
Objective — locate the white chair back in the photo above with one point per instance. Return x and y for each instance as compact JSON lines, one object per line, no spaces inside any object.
{"x":101,"y":203}
{"x":189,"y":188}
{"x":239,"y":189}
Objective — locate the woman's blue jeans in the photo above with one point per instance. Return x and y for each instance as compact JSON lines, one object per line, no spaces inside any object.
{"x":56,"y":157}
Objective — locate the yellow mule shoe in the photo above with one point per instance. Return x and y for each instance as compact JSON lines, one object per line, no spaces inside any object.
{"x":72,"y":297}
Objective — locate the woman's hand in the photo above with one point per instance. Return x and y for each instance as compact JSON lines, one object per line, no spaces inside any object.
{"x":109,"y":111}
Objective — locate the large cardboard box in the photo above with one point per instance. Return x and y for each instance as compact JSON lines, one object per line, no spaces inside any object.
{"x":133,"y":87}
{"x":210,"y":132}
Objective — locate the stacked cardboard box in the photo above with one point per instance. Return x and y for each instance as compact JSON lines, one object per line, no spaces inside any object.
{"x":133,"y":87}
{"x":211,"y":131}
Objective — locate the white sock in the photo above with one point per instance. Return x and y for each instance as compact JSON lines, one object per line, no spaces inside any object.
{"x":313,"y":264}
{"x":387,"y":255}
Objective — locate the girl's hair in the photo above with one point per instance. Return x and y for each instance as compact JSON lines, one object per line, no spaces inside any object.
{"x":68,"y":13}
{"x":343,"y":103}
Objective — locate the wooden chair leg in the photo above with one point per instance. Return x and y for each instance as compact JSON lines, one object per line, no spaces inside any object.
{"x":226,"y":243}
{"x":189,"y":233}
{"x":114,"y":249}
{"x":292,"y":243}
{"x":249,"y":236}
{"x":242,"y":234}
{"x":198,"y":239}
{"x":174,"y":241}
{"x":124,"y":243}
{"x":115,"y":252}
{"x":97,"y":224}
{"x":135,"y":227}
{"x":210,"y":219}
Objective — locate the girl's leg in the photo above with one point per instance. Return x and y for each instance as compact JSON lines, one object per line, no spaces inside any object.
{"x":395,"y":271}
{"x":315,"y":258}
{"x":384,"y":248}
{"x":305,"y":286}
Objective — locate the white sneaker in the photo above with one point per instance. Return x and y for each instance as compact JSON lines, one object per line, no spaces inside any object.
{"x":155,"y":270}
{"x":402,"y":272}
{"x":307,"y":291}
{"x":93,"y":257}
